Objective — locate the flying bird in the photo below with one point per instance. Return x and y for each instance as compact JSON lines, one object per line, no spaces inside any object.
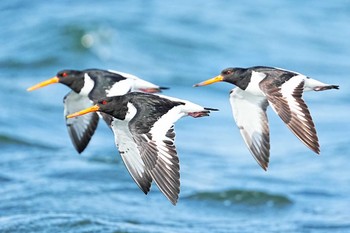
{"x":143,"y":126}
{"x":88,"y":86}
{"x":261,"y":86}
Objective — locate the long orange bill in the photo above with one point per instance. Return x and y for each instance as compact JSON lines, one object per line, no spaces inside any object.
{"x":43,"y":84}
{"x":218,"y":78}
{"x":94,"y":108}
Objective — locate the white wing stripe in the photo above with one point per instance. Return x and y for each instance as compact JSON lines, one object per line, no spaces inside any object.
{"x":137,"y":83}
{"x":120,"y":88}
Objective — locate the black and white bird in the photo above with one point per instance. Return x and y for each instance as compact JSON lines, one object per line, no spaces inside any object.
{"x":88,"y":86}
{"x":260,"y":86}
{"x":143,"y":126}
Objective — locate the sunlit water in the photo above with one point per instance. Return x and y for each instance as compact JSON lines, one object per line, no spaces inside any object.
{"x":45,"y":186}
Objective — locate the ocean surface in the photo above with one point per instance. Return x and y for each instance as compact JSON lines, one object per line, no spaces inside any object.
{"x":46,"y":186}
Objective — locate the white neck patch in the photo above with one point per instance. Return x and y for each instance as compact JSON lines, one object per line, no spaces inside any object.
{"x":131,"y":112}
{"x":88,"y":85}
{"x":253,"y":86}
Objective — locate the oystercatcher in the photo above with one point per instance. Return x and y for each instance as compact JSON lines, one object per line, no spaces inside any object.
{"x":143,"y":126}
{"x":260,"y":86}
{"x":88,"y":86}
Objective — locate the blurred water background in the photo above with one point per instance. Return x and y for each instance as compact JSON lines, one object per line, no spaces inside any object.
{"x":45,"y":186}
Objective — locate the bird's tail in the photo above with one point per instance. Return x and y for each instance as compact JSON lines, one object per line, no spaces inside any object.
{"x":327,"y":87}
{"x":211,"y":109}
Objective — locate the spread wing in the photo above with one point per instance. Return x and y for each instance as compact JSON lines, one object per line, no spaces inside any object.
{"x":159,"y":152}
{"x":161,"y":159}
{"x":249,"y":112}
{"x":286,"y":100}
{"x":130,"y":153}
{"x":80,"y":129}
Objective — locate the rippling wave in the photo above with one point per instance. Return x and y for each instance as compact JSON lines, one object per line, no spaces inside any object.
{"x":6,"y":140}
{"x":245,"y":197}
{"x":59,"y":222}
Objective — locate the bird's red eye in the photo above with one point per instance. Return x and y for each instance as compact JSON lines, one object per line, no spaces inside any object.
{"x":64,"y":74}
{"x":104,"y":102}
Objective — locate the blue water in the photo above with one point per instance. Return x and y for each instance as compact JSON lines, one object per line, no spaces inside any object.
{"x":45,"y":186}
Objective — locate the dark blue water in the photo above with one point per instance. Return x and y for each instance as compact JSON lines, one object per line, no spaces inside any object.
{"x":45,"y":186}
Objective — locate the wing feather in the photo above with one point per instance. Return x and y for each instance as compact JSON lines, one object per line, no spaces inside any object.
{"x":130,"y":154}
{"x":158,"y":151}
{"x":249,"y":112}
{"x":287,"y":102}
{"x":80,"y":129}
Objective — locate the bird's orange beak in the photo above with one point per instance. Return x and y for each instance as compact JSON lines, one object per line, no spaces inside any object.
{"x":94,"y":108}
{"x":218,"y":78}
{"x":44,"y":83}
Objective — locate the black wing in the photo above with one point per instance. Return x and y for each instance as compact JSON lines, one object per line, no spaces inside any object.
{"x":80,"y":129}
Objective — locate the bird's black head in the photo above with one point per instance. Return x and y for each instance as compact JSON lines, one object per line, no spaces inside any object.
{"x":236,"y":76}
{"x":227,"y":73}
{"x":72,"y":78}
{"x":115,"y":106}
